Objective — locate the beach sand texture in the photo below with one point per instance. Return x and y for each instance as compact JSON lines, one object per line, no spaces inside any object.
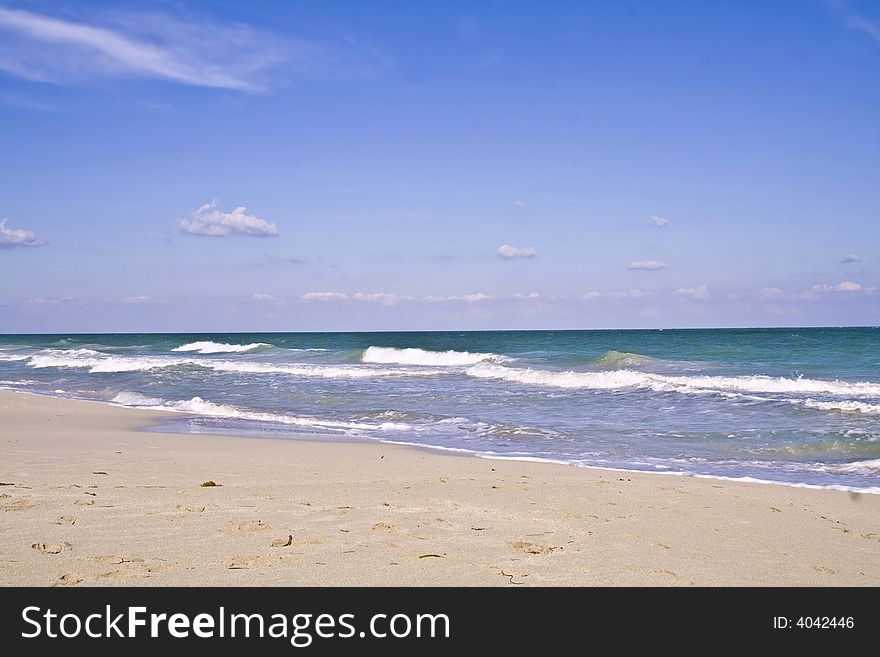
{"x":87,"y":499}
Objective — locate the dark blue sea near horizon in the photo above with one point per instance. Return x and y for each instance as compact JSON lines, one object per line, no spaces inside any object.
{"x":796,"y":406}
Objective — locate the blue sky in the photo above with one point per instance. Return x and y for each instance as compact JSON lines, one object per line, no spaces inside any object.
{"x":335,"y":165}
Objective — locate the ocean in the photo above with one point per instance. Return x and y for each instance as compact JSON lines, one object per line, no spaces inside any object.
{"x":790,"y":405}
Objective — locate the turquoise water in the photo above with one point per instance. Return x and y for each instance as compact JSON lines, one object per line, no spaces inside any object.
{"x":786,"y":405}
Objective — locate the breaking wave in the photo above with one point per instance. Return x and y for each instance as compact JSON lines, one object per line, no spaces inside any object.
{"x":199,"y":406}
{"x":219,"y":347}
{"x":662,"y":383}
{"x":394,"y":356}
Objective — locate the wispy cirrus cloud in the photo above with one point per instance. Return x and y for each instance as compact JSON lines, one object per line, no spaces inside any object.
{"x":647,"y":265}
{"x":854,"y":20}
{"x":186,"y":50}
{"x":210,"y":221}
{"x":11,"y":238}
{"x":507,"y":251}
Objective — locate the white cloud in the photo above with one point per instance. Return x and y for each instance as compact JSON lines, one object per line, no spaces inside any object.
{"x":137,"y":299}
{"x":647,"y":265}
{"x":507,"y":251}
{"x":770,"y":293}
{"x":845,"y":286}
{"x":699,"y":292}
{"x":530,"y":295}
{"x":324,"y":296}
{"x":469,"y":298}
{"x":519,"y":205}
{"x":862,"y":24}
{"x":13,"y":237}
{"x":182,"y":47}
{"x":625,"y":294}
{"x":659,"y":221}
{"x":850,"y":258}
{"x":198,"y":53}
{"x":628,"y":294}
{"x":259,"y":296}
{"x":210,"y":221}
{"x":385,"y":298}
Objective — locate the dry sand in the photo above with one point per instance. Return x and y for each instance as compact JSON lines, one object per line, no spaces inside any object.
{"x":86,"y":499}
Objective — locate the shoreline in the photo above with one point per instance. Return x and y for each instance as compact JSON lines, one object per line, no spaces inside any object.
{"x":89,"y":499}
{"x":315,"y":436}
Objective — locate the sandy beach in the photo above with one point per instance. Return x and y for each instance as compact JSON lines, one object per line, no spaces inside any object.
{"x":88,"y":499}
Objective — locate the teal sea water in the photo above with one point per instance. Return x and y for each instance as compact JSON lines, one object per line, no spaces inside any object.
{"x":798,"y":406}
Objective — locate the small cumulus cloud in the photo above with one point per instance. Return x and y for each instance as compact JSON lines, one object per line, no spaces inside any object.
{"x":259,"y":296}
{"x":210,"y":221}
{"x":659,"y":221}
{"x":468,"y":298}
{"x":844,"y":287}
{"x":647,"y":265}
{"x":14,"y":237}
{"x":620,"y":294}
{"x":770,"y":293}
{"x":137,"y":299}
{"x":699,"y":292}
{"x":507,"y":251}
{"x":385,"y":298}
{"x":530,"y":295}
{"x":324,"y":296}
{"x":847,"y":259}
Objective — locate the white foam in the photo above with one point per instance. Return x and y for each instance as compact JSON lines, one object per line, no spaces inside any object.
{"x":394,"y":356}
{"x":661,"y":383}
{"x":97,"y":362}
{"x":199,"y":406}
{"x":315,"y":371}
{"x":219,"y":347}
{"x":868,"y":466}
{"x":126,"y":398}
{"x":843,"y":405}
{"x":12,"y":357}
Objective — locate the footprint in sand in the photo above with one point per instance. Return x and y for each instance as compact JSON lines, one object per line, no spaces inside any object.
{"x":383,"y":527}
{"x":530,"y":548}
{"x":247,"y":528}
{"x":80,"y":502}
{"x":51,"y":548}
{"x":823,"y":569}
{"x":66,"y":520}
{"x":19,"y":504}
{"x":245,"y":561}
{"x":281,"y":542}
{"x":191,"y":509}
{"x":68,"y":579}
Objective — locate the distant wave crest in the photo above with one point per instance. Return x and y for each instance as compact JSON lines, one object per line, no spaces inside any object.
{"x":662,"y":383}
{"x":99,"y":363}
{"x":219,"y":347}
{"x":394,"y":356}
